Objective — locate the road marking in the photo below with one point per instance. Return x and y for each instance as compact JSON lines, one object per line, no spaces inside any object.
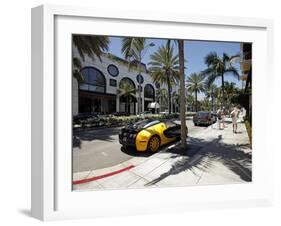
{"x":103,"y":176}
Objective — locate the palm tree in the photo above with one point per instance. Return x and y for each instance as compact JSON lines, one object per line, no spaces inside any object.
{"x":77,"y":66}
{"x":162,"y":97}
{"x":218,"y":67}
{"x":134,"y":49}
{"x":190,"y":101}
{"x":217,"y":97}
{"x":195,"y":84}
{"x":230,"y":91}
{"x":206,"y":104}
{"x":182,"y":92}
{"x":176,"y":99}
{"x":90,"y":45}
{"x":127,"y":91}
{"x":210,"y":93}
{"x":165,"y":68}
{"x":87,"y":45}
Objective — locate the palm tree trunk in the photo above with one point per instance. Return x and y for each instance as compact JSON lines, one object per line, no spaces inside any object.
{"x":212,"y":103}
{"x":139,"y":89}
{"x":169,"y":95}
{"x":128,"y":105}
{"x":222,"y":89}
{"x":182,"y":93}
{"x":196,"y":101}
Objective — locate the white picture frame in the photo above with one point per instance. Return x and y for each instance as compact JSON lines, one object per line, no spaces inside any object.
{"x":52,"y":197}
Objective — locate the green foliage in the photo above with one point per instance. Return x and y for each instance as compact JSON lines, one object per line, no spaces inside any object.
{"x":195,"y":84}
{"x":218,"y":67}
{"x":112,"y":121}
{"x":90,"y":45}
{"x":164,"y":68}
{"x":241,"y":99}
{"x":87,"y":45}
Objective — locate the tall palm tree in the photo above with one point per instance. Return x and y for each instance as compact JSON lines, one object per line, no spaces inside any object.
{"x":217,"y":97}
{"x":90,"y":46}
{"x":218,"y":67}
{"x":134,"y":49}
{"x":190,"y":101}
{"x":195,"y":84}
{"x":128,"y":92}
{"x":206,"y":104}
{"x":165,"y":68}
{"x":162,"y":97}
{"x":182,"y":92}
{"x":210,"y":93}
{"x":230,"y":90}
{"x":176,"y":99}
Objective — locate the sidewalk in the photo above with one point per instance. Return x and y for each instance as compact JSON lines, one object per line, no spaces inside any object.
{"x":213,"y":157}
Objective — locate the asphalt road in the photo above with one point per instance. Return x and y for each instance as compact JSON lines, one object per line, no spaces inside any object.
{"x":100,"y":148}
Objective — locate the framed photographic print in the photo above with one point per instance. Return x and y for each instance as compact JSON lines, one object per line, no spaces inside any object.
{"x":141,"y":112}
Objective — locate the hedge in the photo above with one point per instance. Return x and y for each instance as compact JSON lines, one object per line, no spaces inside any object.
{"x":111,"y":121}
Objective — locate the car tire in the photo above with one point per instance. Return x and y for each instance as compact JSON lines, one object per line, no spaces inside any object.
{"x":154,"y":143}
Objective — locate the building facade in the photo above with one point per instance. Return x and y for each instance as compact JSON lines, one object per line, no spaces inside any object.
{"x":101,"y":91}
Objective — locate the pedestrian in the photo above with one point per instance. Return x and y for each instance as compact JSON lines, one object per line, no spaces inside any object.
{"x":235,"y":115}
{"x":219,"y":115}
{"x":223,"y":116}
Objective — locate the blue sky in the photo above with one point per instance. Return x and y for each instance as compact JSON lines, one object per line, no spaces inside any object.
{"x":194,"y":51}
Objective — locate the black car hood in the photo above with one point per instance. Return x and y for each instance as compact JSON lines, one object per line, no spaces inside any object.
{"x":137,"y":127}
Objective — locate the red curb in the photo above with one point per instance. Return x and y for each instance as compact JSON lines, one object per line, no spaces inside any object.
{"x":103,"y":176}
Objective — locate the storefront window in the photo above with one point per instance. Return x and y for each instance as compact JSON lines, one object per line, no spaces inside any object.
{"x":149,"y":91}
{"x":94,"y":80}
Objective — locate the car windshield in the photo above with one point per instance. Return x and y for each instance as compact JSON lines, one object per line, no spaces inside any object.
{"x":202,"y":114}
{"x":146,"y":123}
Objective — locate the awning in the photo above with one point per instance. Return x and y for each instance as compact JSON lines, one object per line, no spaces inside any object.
{"x":153,"y":105}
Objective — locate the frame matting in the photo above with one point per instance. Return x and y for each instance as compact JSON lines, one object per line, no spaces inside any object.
{"x":52,"y":196}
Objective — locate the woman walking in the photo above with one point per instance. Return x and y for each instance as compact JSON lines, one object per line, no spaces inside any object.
{"x":235,"y":115}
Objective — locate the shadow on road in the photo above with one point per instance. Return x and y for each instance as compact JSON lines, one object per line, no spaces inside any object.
{"x":232,"y":156}
{"x":105,"y":134}
{"x":133,"y":152}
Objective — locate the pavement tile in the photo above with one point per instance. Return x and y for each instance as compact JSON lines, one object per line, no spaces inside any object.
{"x":119,"y":181}
{"x":219,"y":174}
{"x":168,"y":170}
{"x":134,"y":161}
{"x":80,"y":175}
{"x":103,"y":171}
{"x":93,"y":185}
{"x":148,"y":166}
{"x":141,"y":184}
{"x":185,"y":178}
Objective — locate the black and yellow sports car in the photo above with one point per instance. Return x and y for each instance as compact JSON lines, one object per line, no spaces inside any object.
{"x":149,"y":135}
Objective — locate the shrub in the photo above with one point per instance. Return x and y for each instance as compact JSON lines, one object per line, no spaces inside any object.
{"x":111,"y":121}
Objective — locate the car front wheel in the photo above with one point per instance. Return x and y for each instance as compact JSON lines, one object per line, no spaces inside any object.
{"x":153,"y":144}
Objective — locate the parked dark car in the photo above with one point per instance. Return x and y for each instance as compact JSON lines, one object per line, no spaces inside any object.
{"x":204,"y":118}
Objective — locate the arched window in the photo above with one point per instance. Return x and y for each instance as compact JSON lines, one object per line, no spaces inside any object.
{"x":149,"y":91}
{"x":94,"y":80}
{"x":127,"y":81}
